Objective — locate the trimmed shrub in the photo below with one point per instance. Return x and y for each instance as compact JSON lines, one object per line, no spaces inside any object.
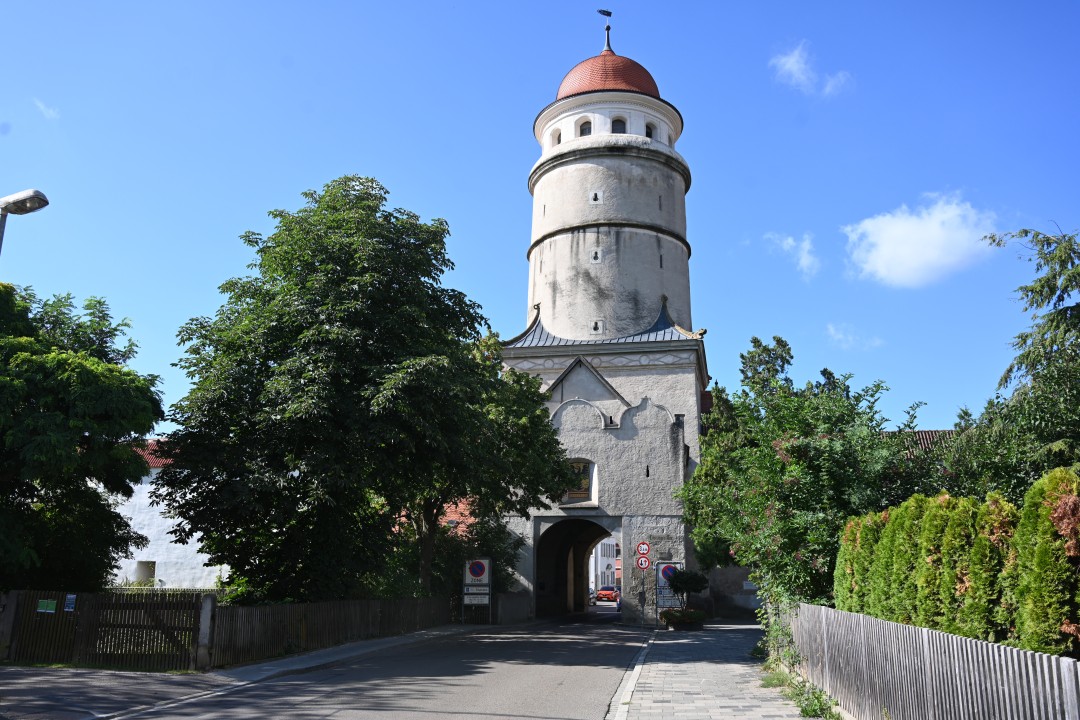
{"x":954,"y":583}
{"x":929,"y":561}
{"x":866,"y":543}
{"x":858,"y":545}
{"x":844,"y":572}
{"x":1047,"y":543}
{"x":892,"y":580}
{"x":986,"y":610}
{"x":880,"y":594}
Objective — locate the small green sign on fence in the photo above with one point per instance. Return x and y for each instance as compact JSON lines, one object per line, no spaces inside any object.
{"x":46,"y":606}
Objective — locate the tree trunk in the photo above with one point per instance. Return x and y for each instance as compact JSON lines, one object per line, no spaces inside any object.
{"x":426,"y":523}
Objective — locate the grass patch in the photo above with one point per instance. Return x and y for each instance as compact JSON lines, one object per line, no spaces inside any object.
{"x":813,"y":702}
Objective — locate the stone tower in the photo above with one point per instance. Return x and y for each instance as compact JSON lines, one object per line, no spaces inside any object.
{"x":608,"y":330}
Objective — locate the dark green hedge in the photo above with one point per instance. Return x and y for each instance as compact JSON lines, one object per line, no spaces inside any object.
{"x":981,"y":570}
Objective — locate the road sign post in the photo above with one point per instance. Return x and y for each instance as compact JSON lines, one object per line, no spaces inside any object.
{"x":665,"y":597}
{"x":477,"y":586}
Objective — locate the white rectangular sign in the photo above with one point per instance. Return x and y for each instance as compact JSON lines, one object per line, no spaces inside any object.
{"x":665,"y":598}
{"x":478,"y":571}
{"x":476,"y":600}
{"x":477,"y":589}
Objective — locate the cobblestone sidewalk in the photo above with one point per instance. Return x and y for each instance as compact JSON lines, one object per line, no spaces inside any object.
{"x":703,"y":675}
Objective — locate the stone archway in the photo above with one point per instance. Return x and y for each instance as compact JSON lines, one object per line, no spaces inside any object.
{"x":562,"y":556}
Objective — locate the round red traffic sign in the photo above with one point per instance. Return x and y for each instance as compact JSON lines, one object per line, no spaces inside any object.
{"x":643,"y":562}
{"x":643,"y":548}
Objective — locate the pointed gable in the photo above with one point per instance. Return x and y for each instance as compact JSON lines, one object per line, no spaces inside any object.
{"x":582,"y":380}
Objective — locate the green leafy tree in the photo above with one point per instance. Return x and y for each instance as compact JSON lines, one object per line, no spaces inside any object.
{"x":1052,"y":298}
{"x":685,"y":582}
{"x":782,"y":467}
{"x":1020,"y":436}
{"x":340,"y":391}
{"x":71,"y":415}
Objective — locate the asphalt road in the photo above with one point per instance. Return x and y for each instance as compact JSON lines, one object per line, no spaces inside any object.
{"x":567,"y":670}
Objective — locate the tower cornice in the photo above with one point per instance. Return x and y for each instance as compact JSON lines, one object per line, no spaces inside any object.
{"x":658,"y":229}
{"x":630,"y":146}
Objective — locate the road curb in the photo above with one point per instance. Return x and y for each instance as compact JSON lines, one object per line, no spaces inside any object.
{"x":621,"y":700}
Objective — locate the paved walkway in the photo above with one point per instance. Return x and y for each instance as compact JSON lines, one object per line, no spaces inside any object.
{"x":703,"y":675}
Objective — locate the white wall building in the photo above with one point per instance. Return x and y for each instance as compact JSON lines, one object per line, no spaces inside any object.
{"x":602,"y":563}
{"x":608,"y":312}
{"x":169,"y":564}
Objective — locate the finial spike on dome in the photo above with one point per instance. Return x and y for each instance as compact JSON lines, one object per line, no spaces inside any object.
{"x":607,"y":30}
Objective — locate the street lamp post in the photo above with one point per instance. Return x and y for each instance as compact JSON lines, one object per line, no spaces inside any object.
{"x":20,"y":203}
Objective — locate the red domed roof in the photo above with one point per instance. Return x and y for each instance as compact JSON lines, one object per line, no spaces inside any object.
{"x":608,"y":71}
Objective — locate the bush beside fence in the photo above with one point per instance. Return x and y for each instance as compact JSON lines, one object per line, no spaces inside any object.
{"x":982,"y":570}
{"x":878,"y":669}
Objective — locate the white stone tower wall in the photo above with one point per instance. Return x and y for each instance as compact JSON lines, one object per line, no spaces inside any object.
{"x":608,"y":282}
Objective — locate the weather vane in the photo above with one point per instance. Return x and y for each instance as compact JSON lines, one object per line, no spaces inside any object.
{"x":607,"y":28}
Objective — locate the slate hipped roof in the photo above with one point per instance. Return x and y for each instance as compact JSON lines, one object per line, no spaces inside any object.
{"x":662,"y":329}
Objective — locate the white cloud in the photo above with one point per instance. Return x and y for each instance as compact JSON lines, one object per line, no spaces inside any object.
{"x":845,"y":337}
{"x":835,"y":83}
{"x":911,"y":249}
{"x":801,"y":250}
{"x":48,"y":112}
{"x":796,"y":69}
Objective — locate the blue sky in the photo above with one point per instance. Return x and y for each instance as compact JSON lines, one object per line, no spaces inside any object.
{"x":846,"y":158}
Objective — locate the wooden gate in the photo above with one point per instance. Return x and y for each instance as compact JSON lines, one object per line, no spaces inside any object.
{"x":138,"y":631}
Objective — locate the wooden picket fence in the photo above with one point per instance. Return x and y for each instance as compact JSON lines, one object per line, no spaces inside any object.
{"x":248,"y":634}
{"x":161,"y":630}
{"x":878,"y":669}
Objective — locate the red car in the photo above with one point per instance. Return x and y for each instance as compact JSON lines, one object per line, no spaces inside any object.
{"x":607,"y":592}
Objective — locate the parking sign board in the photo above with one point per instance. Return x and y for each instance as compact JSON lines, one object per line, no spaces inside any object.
{"x":478,"y":572}
{"x":665,"y":598}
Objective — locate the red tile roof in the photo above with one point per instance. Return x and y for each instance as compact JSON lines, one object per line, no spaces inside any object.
{"x":607,"y":71}
{"x":150,"y":455}
{"x":926,"y":439}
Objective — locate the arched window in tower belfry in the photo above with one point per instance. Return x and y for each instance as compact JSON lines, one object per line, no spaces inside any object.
{"x":618,"y":126}
{"x":650,"y":130}
{"x":585,"y":129}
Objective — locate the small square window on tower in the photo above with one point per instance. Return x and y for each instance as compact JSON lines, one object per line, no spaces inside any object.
{"x":596,"y":197}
